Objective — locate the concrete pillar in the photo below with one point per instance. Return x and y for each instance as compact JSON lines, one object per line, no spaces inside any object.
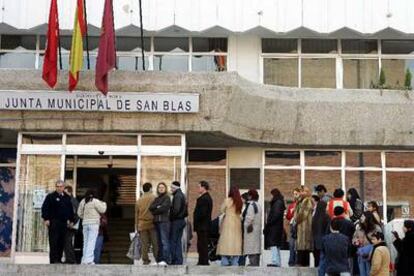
{"x":244,"y":56}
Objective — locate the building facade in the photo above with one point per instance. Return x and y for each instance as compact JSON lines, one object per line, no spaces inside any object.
{"x":273,"y":93}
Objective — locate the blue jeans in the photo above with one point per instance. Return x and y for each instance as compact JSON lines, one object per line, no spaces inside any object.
{"x":276,"y":256}
{"x":163,"y":235}
{"x":229,"y":260}
{"x":322,"y":265}
{"x":364,"y":267}
{"x":292,"y":252}
{"x":90,"y":233}
{"x":176,"y":235}
{"x":98,"y":249}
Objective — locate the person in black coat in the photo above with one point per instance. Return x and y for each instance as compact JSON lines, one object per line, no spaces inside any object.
{"x":320,"y":227}
{"x":57,"y":214}
{"x":160,"y":209}
{"x":405,"y":248}
{"x":273,"y":230}
{"x":202,"y":222}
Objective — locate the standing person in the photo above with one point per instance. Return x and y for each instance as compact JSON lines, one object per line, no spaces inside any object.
{"x":322,"y":193}
{"x":69,"y":250}
{"x":362,"y":240}
{"x":90,"y":210}
{"x":380,"y":257}
{"x":178,"y":214}
{"x":273,"y":230}
{"x":356,"y":204}
{"x":303,"y":220}
{"x":202,"y":221}
{"x":347,"y":228}
{"x":102,"y":237}
{"x":57,"y":214}
{"x":252,"y":226}
{"x":320,"y":228}
{"x":405,"y":260}
{"x":335,"y":249}
{"x":292,"y":227}
{"x":230,"y":242}
{"x":145,"y":224}
{"x":338,"y":200}
{"x":373,"y":207}
{"x":245,"y":199}
{"x":160,"y":209}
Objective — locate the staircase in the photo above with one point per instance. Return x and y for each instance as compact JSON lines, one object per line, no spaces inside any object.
{"x":115,"y":250}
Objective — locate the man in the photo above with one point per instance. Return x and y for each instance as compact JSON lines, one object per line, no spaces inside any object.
{"x":338,"y":200}
{"x":346,"y":226}
{"x":202,"y":221}
{"x":322,"y":193}
{"x":335,"y":250}
{"x":70,"y":257}
{"x":178,"y":214}
{"x":145,"y":223}
{"x":57,"y":214}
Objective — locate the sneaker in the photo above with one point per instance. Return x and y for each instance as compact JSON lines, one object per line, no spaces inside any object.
{"x":162,"y":263}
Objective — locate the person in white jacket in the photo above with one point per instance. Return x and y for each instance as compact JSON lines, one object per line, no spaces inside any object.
{"x":90,"y":210}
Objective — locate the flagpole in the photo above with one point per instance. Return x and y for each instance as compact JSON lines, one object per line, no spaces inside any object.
{"x":113,"y":26}
{"x":142,"y":35}
{"x":86,"y":34}
{"x":59,"y":44}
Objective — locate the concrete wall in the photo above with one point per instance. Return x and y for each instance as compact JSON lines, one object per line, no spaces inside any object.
{"x":234,"y":112}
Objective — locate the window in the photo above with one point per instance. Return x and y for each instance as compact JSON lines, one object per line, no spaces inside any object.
{"x":359,"y":46}
{"x":206,"y":44}
{"x":281,"y":71}
{"x":285,"y":158}
{"x":319,"y":73}
{"x":206,"y":157}
{"x":171,"y":63}
{"x":245,"y":179}
{"x":11,"y":42}
{"x":395,"y":70}
{"x":397,"y":46}
{"x":279,"y":45}
{"x":360,"y":73}
{"x":319,"y":46}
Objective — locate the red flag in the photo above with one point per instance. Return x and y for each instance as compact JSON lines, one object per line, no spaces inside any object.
{"x":50,"y":61}
{"x":106,"y":59}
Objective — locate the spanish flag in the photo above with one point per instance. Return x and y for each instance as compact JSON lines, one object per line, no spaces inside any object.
{"x":76,"y":52}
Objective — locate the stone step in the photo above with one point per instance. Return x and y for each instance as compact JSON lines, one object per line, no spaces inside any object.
{"x":128,"y":270}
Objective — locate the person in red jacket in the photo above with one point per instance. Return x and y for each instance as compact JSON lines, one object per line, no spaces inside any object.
{"x":289,"y":216}
{"x":338,"y":200}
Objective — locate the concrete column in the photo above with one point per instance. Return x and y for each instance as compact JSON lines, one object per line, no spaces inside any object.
{"x":244,"y":56}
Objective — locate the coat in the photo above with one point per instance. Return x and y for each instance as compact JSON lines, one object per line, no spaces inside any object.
{"x":303,"y":219}
{"x":380,"y":262}
{"x":230,"y":241}
{"x":320,"y":224}
{"x":90,"y":212}
{"x":144,"y":217}
{"x":335,"y":249}
{"x":273,"y":230}
{"x":160,"y":208}
{"x":252,"y":241}
{"x":405,"y":258}
{"x":202,"y":213}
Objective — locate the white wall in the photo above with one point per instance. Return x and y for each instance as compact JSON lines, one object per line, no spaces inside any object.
{"x":244,"y":56}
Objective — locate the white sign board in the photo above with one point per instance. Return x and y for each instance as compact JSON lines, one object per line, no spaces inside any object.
{"x":96,"y":101}
{"x":39,"y":196}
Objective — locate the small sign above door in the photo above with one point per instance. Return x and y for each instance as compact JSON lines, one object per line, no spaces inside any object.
{"x":151,"y":102}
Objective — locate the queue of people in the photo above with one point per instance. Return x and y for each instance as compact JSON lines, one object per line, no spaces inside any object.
{"x":344,"y":237}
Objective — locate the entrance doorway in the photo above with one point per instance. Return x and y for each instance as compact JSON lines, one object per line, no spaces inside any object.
{"x":113,"y":179}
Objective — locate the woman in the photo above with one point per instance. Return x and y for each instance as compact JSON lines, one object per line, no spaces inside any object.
{"x":374,"y":209}
{"x":356,"y":203}
{"x":252,"y":226}
{"x":405,"y":250}
{"x":362,"y":240}
{"x":380,"y":257}
{"x":292,"y":227}
{"x":90,"y":210}
{"x":320,"y":228}
{"x":160,"y":209}
{"x":230,"y":242}
{"x":303,"y":220}
{"x":273,"y":230}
